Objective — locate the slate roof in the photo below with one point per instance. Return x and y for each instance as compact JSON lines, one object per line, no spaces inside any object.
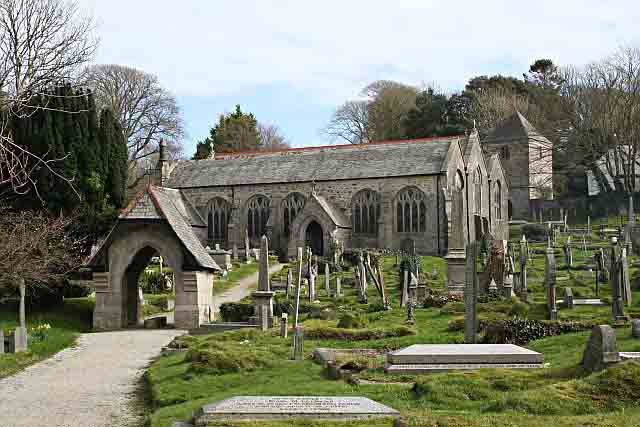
{"x":336,"y":215}
{"x":374,"y":160}
{"x":170,"y":205}
{"x":515,"y":127}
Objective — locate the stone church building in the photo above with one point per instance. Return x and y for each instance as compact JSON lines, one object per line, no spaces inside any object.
{"x":427,"y":194}
{"x":431,"y":196}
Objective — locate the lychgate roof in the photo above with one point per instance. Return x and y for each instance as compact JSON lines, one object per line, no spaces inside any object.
{"x":374,"y":160}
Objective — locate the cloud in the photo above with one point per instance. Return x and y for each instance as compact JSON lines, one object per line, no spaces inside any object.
{"x":330,"y":49}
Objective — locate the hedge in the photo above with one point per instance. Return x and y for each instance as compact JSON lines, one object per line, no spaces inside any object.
{"x":521,"y":331}
{"x":236,"y":312}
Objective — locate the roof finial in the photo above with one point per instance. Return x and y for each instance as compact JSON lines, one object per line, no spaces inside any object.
{"x":313,"y":187}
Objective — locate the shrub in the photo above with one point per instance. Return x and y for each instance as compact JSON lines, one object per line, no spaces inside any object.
{"x":534,"y":231}
{"x":351,"y":320}
{"x":456,"y":325}
{"x":236,"y":311}
{"x":439,"y":301}
{"x":453,"y":308}
{"x":226,"y":357}
{"x":491,"y":296}
{"x":519,"y":309}
{"x":521,"y":331}
{"x":153,"y":282}
{"x":326,"y":333}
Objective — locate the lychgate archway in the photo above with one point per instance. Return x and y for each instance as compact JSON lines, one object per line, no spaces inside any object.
{"x":161,"y":221}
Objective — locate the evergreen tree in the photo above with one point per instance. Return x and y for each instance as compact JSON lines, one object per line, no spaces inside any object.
{"x":234,"y":132}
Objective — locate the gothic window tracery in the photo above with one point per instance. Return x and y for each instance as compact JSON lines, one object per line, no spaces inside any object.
{"x":411,"y":211}
{"x":291,"y":207}
{"x":218,"y":211}
{"x":258,"y":210}
{"x":365,"y":212}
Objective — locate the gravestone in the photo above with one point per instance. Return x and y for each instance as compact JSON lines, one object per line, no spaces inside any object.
{"x":635,"y":328}
{"x":263,"y":297}
{"x":289,"y":282}
{"x":268,"y":408}
{"x":298,"y":343}
{"x":327,"y":276}
{"x":234,"y":251}
{"x":524,"y":255}
{"x":2,"y":341}
{"x":405,"y":288}
{"x":140,"y":307}
{"x":410,"y":315}
{"x":568,"y":298}
{"x":471,"y":295}
{"x":550,"y":283}
{"x":625,"y":279}
{"x":568,"y":254}
{"x":338,"y":287}
{"x":601,"y":350}
{"x":284,"y":325}
{"x":247,"y":248}
{"x":312,"y":287}
{"x":617,"y":302}
{"x":20,"y":344}
{"x":298,"y":289}
{"x":509,"y":269}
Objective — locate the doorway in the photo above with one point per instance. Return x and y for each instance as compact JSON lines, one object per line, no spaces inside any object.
{"x":314,"y":238}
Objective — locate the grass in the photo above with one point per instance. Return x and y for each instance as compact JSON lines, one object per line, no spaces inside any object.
{"x":239,"y":272}
{"x":66,"y":323}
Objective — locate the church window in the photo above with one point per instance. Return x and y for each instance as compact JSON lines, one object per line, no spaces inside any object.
{"x":365,"y":212}
{"x":218,"y":211}
{"x":257,"y":216}
{"x":411,"y":211}
{"x":291,"y":207}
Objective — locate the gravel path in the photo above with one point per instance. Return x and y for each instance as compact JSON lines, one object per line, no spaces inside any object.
{"x":90,"y":385}
{"x":244,"y":288}
{"x":93,"y":383}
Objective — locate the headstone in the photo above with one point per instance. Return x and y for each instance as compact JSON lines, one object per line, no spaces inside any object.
{"x":1,"y":341}
{"x":635,"y":328}
{"x":568,"y":298}
{"x":471,"y":295}
{"x":284,"y":325}
{"x":524,"y":255}
{"x":625,"y":279}
{"x":312,"y":287}
{"x":289,"y":283}
{"x":218,"y":246}
{"x":269,"y":408}
{"x":247,"y":247}
{"x":617,"y":302}
{"x":405,"y":288}
{"x":413,"y":289}
{"x":550,"y":283}
{"x":298,"y":343}
{"x":601,"y":349}
{"x":298,"y":288}
{"x":327,"y":276}
{"x":332,"y":370}
{"x":234,"y":251}
{"x":568,"y":254}
{"x":410,"y":315}
{"x":338,"y":287}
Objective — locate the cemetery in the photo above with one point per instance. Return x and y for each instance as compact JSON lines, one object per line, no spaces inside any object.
{"x":408,"y":347}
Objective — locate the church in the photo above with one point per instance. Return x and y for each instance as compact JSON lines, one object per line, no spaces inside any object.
{"x":427,"y":195}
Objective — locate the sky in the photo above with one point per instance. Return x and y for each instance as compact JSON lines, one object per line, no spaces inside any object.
{"x":291,"y":63}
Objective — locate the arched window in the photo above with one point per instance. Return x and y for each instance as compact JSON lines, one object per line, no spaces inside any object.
{"x":477,"y":184}
{"x":365,"y":212}
{"x":257,"y":216}
{"x":291,"y":207}
{"x":218,"y":211}
{"x":498,"y":200}
{"x":411,"y":211}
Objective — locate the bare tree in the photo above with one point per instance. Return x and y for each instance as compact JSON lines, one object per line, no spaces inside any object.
{"x":271,"y":138}
{"x":388,"y":106}
{"x":42,"y":43}
{"x":147,"y":112}
{"x":492,"y":106}
{"x":350,"y":123}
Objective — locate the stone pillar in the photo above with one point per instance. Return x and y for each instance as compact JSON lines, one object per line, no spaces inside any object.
{"x":405,"y":288}
{"x":263,"y":297}
{"x":2,"y":341}
{"x":289,"y":283}
{"x":284,"y":325}
{"x":107,"y":314}
{"x":550,"y":283}
{"x":298,"y":288}
{"x":312,"y":287}
{"x":338,"y":287}
{"x":524,"y":257}
{"x":625,"y":280}
{"x":247,"y":248}
{"x":193,"y":303}
{"x":471,"y":295}
{"x":140,"y":307}
{"x":234,"y":251}
{"x":617,"y":301}
{"x":264,"y":318}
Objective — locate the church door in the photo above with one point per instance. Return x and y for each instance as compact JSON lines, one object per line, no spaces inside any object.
{"x":313,"y":238}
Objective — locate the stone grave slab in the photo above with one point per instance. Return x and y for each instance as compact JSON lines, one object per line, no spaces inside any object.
{"x":444,"y":357}
{"x":257,"y":408}
{"x":629,"y":355}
